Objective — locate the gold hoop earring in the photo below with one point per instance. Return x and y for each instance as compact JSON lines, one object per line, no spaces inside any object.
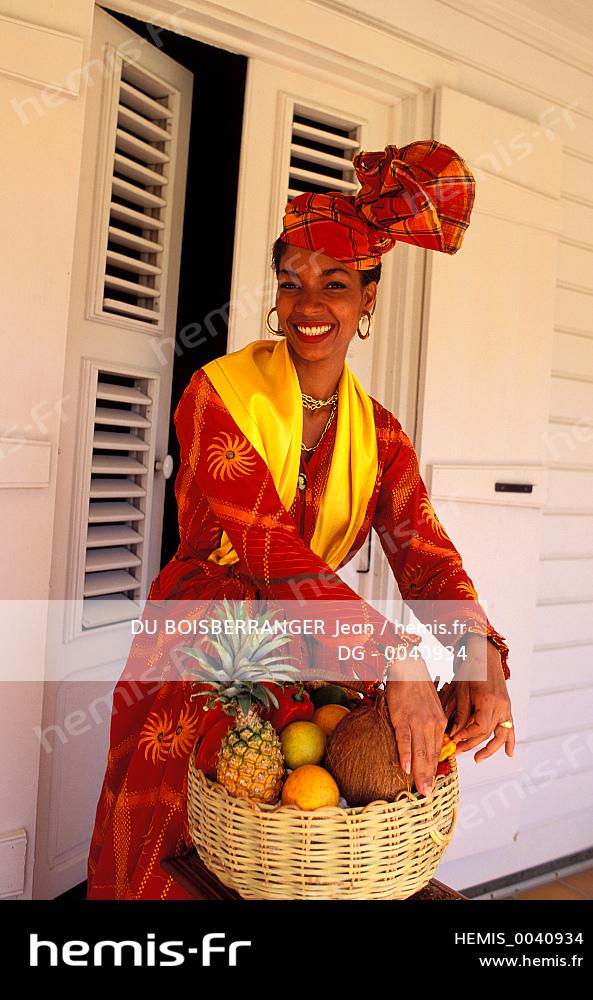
{"x":365,"y":336}
{"x":270,"y":329}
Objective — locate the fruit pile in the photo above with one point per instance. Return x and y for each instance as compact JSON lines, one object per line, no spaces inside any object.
{"x":274,"y":741}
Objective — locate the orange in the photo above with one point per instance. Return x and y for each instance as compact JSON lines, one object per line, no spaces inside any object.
{"x":310,"y":787}
{"x":328,"y":716}
{"x":302,"y":743}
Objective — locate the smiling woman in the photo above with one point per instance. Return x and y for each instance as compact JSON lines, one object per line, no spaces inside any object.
{"x":286,"y":465}
{"x":319,"y":303}
{"x":295,"y":268}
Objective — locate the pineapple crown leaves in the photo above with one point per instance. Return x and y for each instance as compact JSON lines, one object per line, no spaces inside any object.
{"x":241,"y":664}
{"x":250,"y":645}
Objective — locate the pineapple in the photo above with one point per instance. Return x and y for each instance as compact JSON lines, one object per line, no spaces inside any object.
{"x":250,"y":762}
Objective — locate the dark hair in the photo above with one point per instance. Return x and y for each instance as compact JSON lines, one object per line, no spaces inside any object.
{"x":279,"y":248}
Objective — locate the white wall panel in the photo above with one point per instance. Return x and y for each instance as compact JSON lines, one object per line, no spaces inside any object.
{"x":577,"y":176}
{"x":571,"y":399}
{"x":555,"y":669}
{"x":567,"y":488}
{"x":566,"y":533}
{"x":575,"y":264}
{"x":558,"y":755}
{"x":578,"y":222}
{"x":557,"y":624}
{"x":565,"y":579}
{"x":560,"y":710}
{"x":573,"y":308}
{"x":574,"y":353}
{"x":42,"y":141}
{"x":566,"y":796}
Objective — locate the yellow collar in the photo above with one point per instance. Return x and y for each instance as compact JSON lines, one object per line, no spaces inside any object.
{"x":260,"y":388}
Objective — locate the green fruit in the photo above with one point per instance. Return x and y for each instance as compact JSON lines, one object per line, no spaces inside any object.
{"x":330,"y":695}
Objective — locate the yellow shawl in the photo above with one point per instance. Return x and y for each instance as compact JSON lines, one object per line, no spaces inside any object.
{"x":260,"y":388}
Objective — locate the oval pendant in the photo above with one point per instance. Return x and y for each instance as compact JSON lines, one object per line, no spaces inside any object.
{"x":302,"y":481}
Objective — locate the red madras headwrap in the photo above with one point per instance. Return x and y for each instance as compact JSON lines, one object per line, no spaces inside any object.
{"x":422,"y":193}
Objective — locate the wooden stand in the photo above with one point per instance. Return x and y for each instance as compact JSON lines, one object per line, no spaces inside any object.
{"x":200,"y":883}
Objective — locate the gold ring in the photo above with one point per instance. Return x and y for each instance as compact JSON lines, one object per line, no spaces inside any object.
{"x":506,"y":725}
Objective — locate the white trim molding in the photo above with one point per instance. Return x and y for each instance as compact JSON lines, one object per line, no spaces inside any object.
{"x":264,"y":38}
{"x":547,"y":34}
{"x":41,"y":56}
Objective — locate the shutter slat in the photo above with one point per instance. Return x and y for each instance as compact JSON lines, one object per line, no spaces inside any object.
{"x":119,"y":442}
{"x":126,"y":214}
{"x":325,"y":137}
{"x":99,"y":560}
{"x":126,"y":309}
{"x":135,"y":194}
{"x":101,"y":513}
{"x":111,"y":582}
{"x":121,"y":393}
{"x":131,"y":144}
{"x":138,"y":125}
{"x":331,"y":183}
{"x":125,"y":239}
{"x":138,"y":77}
{"x":117,"y":465}
{"x":111,"y":488}
{"x":142,"y":103}
{"x":131,"y":264}
{"x":97,"y":611}
{"x":100,"y":535}
{"x":134,"y":287}
{"x":137,"y":172}
{"x":318,"y":156}
{"x":121,"y":418}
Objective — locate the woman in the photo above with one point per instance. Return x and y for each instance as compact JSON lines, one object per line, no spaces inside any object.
{"x":286,"y":464}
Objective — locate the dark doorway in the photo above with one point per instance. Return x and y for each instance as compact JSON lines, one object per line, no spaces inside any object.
{"x":209,"y":220}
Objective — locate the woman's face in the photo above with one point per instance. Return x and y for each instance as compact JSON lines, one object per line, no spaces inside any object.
{"x":320,"y":302}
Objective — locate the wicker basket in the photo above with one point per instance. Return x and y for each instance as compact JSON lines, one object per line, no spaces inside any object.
{"x":385,"y":850}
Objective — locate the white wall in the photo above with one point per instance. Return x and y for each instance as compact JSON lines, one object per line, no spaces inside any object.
{"x":528,"y":399}
{"x":43,"y":132}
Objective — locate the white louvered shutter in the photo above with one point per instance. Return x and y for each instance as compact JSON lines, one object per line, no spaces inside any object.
{"x":121,"y":331}
{"x":118,"y":487}
{"x":321,"y":151}
{"x":138,"y":212}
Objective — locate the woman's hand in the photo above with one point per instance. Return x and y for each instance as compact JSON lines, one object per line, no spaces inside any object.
{"x":479,"y":706}
{"x":418,"y":719}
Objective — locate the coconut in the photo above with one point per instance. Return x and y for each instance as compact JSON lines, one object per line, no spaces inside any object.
{"x":361,"y":754}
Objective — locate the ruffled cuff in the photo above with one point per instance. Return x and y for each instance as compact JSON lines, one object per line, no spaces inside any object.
{"x":495,"y":637}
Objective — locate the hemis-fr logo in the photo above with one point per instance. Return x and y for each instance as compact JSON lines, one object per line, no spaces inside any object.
{"x":213,"y":950}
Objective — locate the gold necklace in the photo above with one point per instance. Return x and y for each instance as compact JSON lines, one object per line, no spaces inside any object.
{"x":329,"y":420}
{"x":310,"y":403}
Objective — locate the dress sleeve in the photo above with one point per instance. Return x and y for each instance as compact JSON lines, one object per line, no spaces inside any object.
{"x":219,"y":464}
{"x":426,"y":565}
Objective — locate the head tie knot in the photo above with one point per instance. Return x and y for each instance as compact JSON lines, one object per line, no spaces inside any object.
{"x":422,"y":194}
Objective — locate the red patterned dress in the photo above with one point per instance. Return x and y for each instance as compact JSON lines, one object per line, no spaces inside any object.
{"x":223,"y":483}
